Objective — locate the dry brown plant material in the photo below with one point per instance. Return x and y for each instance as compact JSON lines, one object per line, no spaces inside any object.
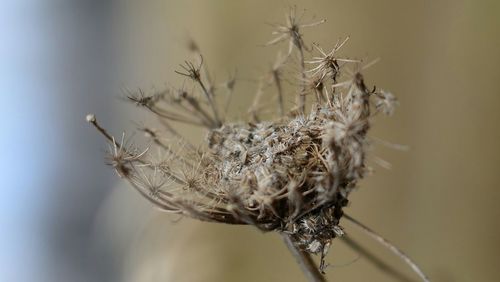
{"x":292,"y":174}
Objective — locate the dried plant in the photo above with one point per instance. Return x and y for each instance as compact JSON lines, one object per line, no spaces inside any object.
{"x":292,"y":174}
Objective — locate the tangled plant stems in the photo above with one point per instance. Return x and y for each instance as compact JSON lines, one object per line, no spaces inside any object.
{"x":292,"y":174}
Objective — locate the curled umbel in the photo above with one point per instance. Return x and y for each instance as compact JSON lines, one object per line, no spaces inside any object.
{"x":291,"y":173}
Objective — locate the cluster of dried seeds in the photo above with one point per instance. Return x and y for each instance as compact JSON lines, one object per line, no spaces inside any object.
{"x":292,"y":174}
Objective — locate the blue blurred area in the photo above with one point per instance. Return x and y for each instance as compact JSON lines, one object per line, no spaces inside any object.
{"x":56,"y":62}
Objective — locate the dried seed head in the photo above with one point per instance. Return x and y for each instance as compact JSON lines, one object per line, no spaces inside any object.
{"x":291,"y":30}
{"x":292,"y":174}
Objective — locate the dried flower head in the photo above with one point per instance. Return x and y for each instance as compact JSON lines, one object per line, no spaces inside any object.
{"x":292,"y":174}
{"x":291,"y":30}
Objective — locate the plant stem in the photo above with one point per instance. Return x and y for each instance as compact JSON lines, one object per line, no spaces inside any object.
{"x":375,"y":260}
{"x":306,"y":263}
{"x":302,"y":97}
{"x":384,"y":242}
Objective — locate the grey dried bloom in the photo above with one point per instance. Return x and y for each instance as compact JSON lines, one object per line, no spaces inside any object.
{"x":291,"y":30}
{"x":328,"y":64}
{"x":292,"y":174}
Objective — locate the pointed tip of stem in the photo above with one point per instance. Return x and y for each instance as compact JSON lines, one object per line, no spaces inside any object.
{"x":90,"y":118}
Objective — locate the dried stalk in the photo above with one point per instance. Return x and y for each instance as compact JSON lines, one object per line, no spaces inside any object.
{"x":291,"y":174}
{"x":302,"y":94}
{"x":375,"y":260}
{"x":389,"y":246}
{"x":306,"y":263}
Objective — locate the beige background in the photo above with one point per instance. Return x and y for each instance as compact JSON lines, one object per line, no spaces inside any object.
{"x":439,"y":202}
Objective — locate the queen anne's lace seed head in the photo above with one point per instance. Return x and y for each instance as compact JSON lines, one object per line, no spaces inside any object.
{"x":290,"y":174}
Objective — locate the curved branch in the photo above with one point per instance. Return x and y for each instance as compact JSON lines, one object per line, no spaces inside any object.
{"x":389,"y":246}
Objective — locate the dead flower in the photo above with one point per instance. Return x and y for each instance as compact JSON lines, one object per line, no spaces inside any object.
{"x":292,"y":174}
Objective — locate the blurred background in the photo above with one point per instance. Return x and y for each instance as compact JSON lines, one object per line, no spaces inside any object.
{"x":65,"y":216}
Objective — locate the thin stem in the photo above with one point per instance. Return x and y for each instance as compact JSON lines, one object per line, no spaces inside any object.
{"x":302,"y":97}
{"x":277,"y":81}
{"x":311,"y":271}
{"x":389,"y":246}
{"x":174,"y":132}
{"x":376,"y":261}
{"x":230,"y":91}
{"x":92,"y":120}
{"x":255,"y":105}
{"x":209,"y":96}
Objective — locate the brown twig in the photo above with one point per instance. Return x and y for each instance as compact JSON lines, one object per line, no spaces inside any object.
{"x":306,"y":263}
{"x":302,"y":96}
{"x":389,"y":246}
{"x":376,"y":261}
